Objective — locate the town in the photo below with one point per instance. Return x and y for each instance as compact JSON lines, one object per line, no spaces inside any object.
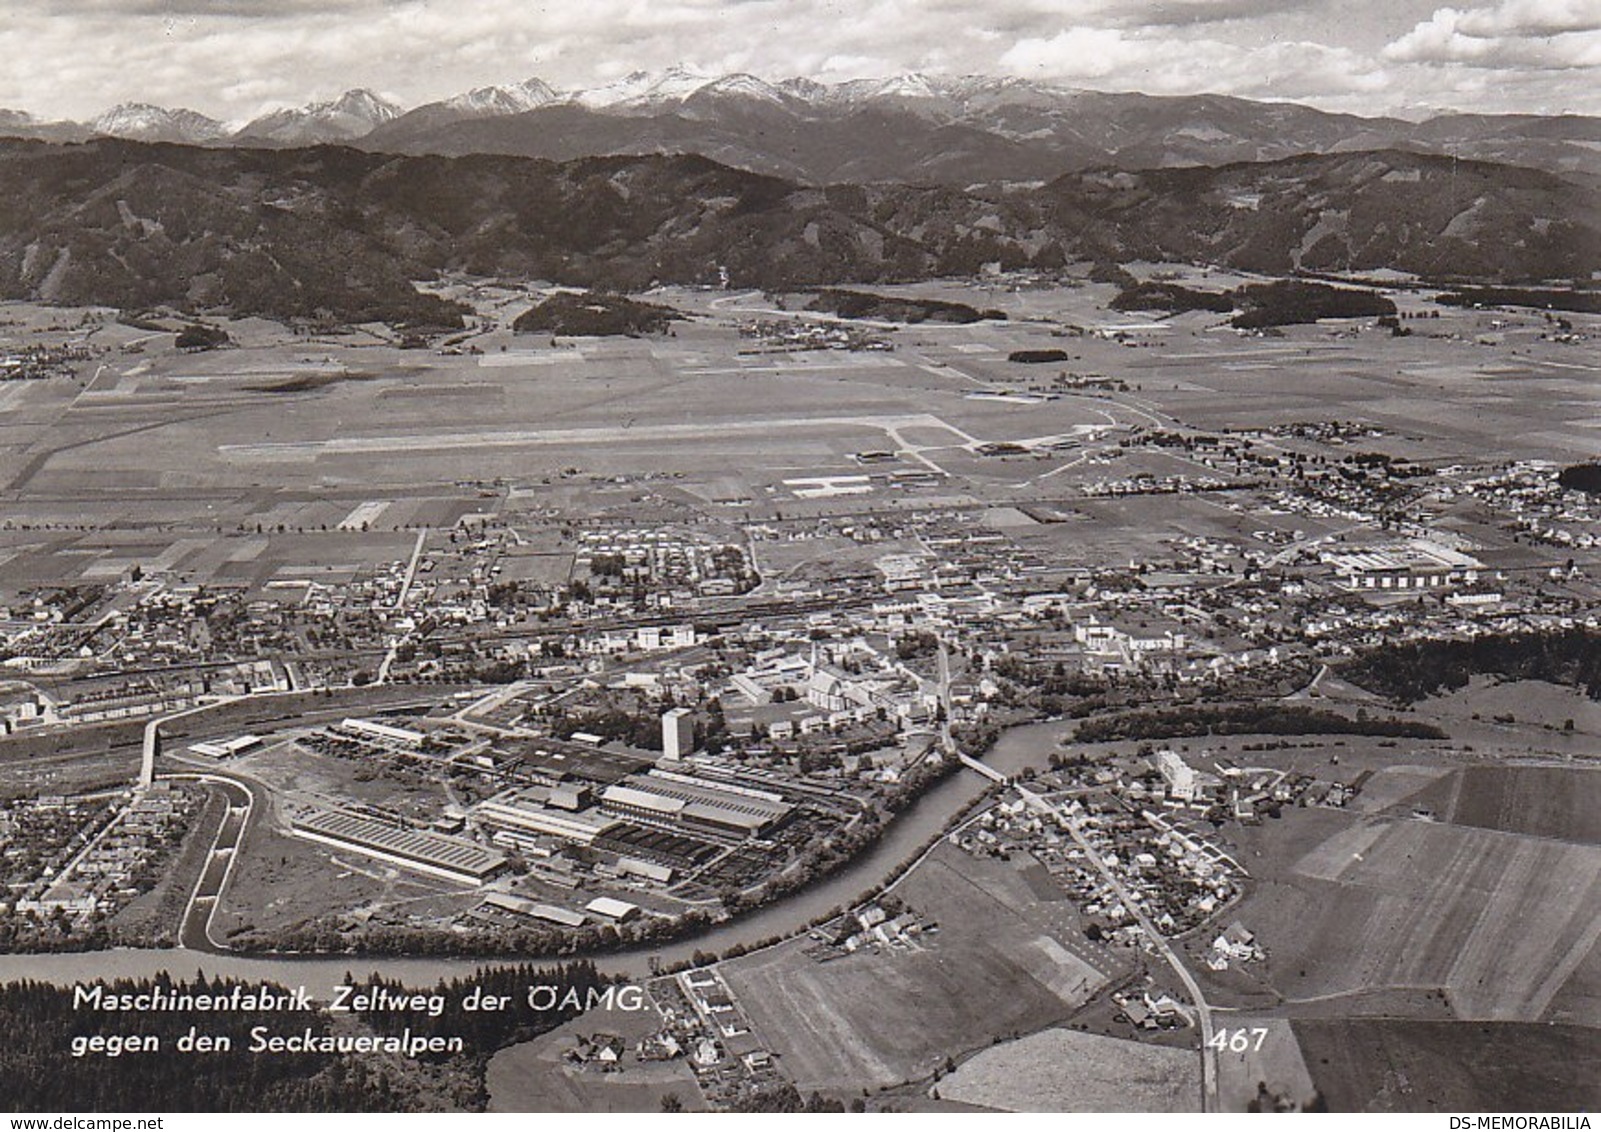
{"x":468,"y":680}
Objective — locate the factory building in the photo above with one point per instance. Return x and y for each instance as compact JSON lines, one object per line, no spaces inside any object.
{"x":1417,"y":564}
{"x":1185,"y":783}
{"x":610,"y":908}
{"x":1177,"y":775}
{"x":550,"y":913}
{"x":383,"y":733}
{"x":679,"y":801}
{"x":520,"y":818}
{"x":452,"y":858}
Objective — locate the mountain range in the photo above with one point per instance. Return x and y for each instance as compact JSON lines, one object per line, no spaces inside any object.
{"x":351,"y":116}
{"x":341,"y":233}
{"x":910,"y":128}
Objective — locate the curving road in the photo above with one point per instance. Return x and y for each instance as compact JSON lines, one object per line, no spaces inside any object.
{"x":194,"y":931}
{"x":1202,"y":1008}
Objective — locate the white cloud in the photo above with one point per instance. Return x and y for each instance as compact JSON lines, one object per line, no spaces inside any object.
{"x":1190,"y":64}
{"x":1079,"y":53}
{"x":230,"y":58}
{"x":1533,"y":17}
{"x":1537,"y":34}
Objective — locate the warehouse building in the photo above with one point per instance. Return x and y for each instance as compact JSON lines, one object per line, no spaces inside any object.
{"x":227,"y":748}
{"x":522,"y":817}
{"x":663,"y":798}
{"x":383,"y":733}
{"x":550,"y":913}
{"x":1417,"y":564}
{"x":610,"y":908}
{"x":452,"y":858}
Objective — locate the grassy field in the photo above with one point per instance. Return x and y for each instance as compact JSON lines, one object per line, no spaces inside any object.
{"x":281,"y":882}
{"x":1004,"y":962}
{"x":1066,"y":1071}
{"x":402,"y":786}
{"x":302,"y":432}
{"x":1514,"y":711}
{"x":68,"y":762}
{"x":1374,"y":1065}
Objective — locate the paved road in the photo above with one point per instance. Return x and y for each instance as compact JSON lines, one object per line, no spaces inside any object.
{"x":194,"y":930}
{"x":411,"y":569}
{"x":1202,"y":1009}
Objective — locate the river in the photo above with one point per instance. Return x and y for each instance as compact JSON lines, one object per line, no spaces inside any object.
{"x":1018,"y":748}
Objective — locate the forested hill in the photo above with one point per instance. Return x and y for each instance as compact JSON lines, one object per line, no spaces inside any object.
{"x":342,"y":234}
{"x":1417,"y":669}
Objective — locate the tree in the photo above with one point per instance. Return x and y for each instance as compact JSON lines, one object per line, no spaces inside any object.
{"x":197,"y":336}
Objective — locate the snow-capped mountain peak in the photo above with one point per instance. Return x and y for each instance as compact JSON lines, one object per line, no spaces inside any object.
{"x":807,"y":90}
{"x":643,"y":89}
{"x":143,"y":122}
{"x":741,"y":85}
{"x":911,"y":85}
{"x":514,"y":99}
{"x":360,"y":104}
{"x":353,"y":114}
{"x":625,"y":89}
{"x":907,"y":86}
{"x":676,"y":83}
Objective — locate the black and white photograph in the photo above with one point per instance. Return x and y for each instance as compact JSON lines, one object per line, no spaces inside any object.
{"x":751,"y":556}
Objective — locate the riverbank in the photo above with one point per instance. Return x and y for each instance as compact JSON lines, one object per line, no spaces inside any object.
{"x":1017,"y":749}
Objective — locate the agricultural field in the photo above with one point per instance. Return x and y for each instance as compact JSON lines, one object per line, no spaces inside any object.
{"x":1004,"y":962}
{"x":1562,"y":803}
{"x":1397,"y":784}
{"x":1391,"y":1065}
{"x":1066,"y":1071}
{"x":1438,"y":391}
{"x":1579,"y":1000}
{"x":1270,"y":1061}
{"x":1498,"y":921}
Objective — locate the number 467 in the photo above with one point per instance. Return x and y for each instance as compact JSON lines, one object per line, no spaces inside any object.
{"x":1238,"y":1041}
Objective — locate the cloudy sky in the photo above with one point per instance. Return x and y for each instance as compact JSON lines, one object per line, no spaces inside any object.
{"x":234,"y":58}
